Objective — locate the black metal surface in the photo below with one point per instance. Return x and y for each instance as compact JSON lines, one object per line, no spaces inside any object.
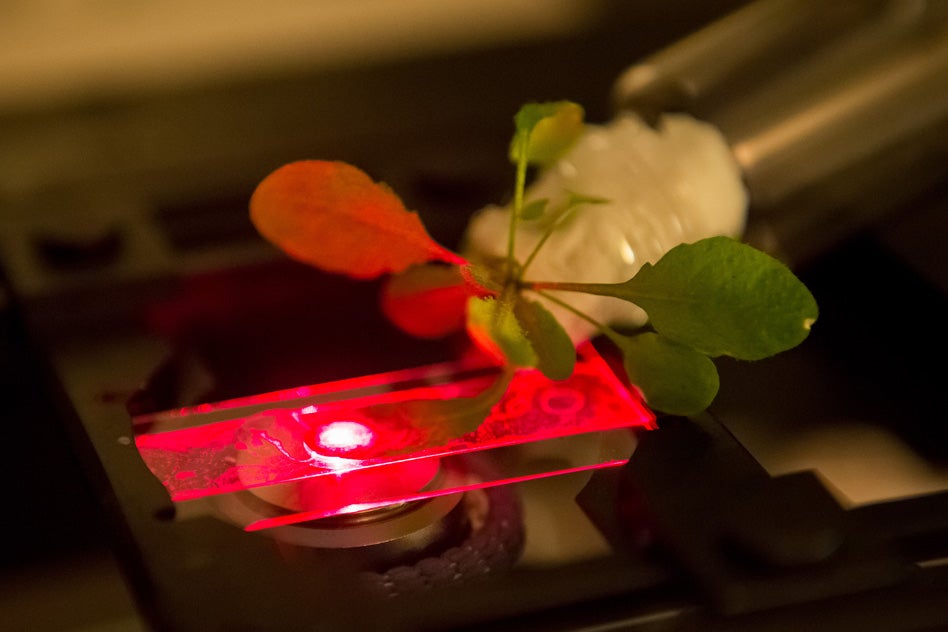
{"x":752,"y":542}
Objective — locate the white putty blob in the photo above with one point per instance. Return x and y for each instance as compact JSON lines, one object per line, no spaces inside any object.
{"x":677,"y":184}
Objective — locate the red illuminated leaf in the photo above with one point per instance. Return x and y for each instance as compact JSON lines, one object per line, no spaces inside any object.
{"x":426,"y":301}
{"x":333,"y":216}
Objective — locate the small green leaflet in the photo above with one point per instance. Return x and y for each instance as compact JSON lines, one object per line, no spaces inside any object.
{"x":533,"y":209}
{"x":674,"y":378}
{"x":575,"y":199}
{"x":545,"y":131}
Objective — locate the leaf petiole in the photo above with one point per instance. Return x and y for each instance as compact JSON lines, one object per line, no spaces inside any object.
{"x":522,"y":143}
{"x":606,"y":330}
{"x":562,"y":286}
{"x":546,"y":235}
{"x":567,"y":209}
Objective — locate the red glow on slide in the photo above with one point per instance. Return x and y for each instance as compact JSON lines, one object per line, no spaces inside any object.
{"x":358,"y":443}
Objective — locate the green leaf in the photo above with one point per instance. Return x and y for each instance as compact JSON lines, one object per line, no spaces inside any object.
{"x":555,"y":352}
{"x":672,"y":377}
{"x":530,"y":114}
{"x":720,"y":297}
{"x":533,"y":209}
{"x":550,"y":130}
{"x":492,"y":322}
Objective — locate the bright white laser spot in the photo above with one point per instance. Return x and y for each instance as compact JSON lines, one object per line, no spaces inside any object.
{"x":342,"y":436}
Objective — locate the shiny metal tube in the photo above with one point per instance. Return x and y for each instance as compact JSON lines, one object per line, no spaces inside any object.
{"x":835,"y":111}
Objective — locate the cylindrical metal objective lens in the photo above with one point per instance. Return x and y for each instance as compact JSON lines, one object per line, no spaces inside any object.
{"x":836,"y":112}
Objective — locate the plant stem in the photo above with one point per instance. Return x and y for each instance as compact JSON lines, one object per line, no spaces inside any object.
{"x":574,"y":202}
{"x":546,"y":235}
{"x":536,"y":249}
{"x":523,"y":141}
{"x":609,"y":332}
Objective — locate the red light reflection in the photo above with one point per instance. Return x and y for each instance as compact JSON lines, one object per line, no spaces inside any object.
{"x":316,"y":456}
